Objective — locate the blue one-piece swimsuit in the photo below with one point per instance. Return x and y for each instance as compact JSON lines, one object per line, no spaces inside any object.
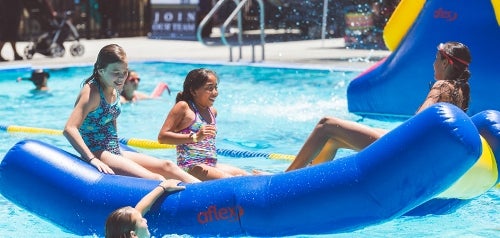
{"x":98,"y":130}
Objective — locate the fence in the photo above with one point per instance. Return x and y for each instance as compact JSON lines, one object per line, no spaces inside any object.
{"x":129,"y":18}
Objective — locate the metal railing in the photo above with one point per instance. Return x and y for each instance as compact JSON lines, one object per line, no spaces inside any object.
{"x":239,"y":21}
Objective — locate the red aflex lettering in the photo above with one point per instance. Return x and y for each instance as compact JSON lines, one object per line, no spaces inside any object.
{"x":213,"y":213}
{"x":444,"y":14}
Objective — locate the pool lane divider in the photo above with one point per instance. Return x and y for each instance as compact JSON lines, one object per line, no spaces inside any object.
{"x":151,"y":144}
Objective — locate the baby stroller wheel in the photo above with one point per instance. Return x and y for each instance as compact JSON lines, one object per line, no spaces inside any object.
{"x":77,"y":49}
{"x":29,"y":51}
{"x":56,"y":50}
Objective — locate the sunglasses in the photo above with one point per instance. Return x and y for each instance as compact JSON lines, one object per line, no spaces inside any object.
{"x":134,"y":79}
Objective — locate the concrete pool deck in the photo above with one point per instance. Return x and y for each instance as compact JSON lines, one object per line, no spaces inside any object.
{"x":329,"y":53}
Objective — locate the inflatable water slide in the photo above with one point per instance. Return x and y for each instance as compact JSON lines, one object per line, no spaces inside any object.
{"x":398,"y":84}
{"x":415,"y":163}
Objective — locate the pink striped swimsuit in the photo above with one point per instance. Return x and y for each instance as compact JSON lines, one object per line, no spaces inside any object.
{"x":201,"y":152}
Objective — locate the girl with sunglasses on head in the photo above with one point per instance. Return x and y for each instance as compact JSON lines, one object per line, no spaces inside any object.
{"x":92,"y":131}
{"x":451,"y":73}
{"x":131,"y":94}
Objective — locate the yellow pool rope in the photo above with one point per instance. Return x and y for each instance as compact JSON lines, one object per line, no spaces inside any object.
{"x":33,"y":130}
{"x":146,"y":143}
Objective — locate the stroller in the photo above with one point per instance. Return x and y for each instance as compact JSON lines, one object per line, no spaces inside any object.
{"x":51,"y":43}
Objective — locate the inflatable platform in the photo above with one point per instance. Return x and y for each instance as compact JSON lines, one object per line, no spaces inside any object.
{"x":398,"y":84}
{"x":397,"y":173}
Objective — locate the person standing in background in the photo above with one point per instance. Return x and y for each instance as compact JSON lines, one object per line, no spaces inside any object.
{"x":110,"y":18}
{"x":10,"y":19}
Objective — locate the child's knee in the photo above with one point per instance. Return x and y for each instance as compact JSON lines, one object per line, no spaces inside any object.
{"x":168,"y":165}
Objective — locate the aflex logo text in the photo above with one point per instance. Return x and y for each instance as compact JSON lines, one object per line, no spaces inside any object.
{"x":444,"y":14}
{"x":214,"y":213}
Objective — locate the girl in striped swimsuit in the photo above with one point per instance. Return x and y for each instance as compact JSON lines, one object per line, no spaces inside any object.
{"x":190,"y":125}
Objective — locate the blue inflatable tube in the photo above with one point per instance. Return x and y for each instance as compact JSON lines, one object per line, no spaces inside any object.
{"x":407,"y":167}
{"x":488,"y":124}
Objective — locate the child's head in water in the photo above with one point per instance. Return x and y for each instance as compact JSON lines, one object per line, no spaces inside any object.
{"x":39,"y":78}
{"x":126,"y":222}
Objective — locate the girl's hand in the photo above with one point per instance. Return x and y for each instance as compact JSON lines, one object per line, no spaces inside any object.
{"x":101,"y":166}
{"x":171,"y":185}
{"x":205,"y":131}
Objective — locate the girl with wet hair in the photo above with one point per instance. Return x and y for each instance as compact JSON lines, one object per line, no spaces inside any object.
{"x":451,"y":73}
{"x":92,"y":130}
{"x":190,"y":125}
{"x":128,"y":222}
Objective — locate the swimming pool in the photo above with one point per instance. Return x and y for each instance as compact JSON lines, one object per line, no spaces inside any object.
{"x":260,"y":109}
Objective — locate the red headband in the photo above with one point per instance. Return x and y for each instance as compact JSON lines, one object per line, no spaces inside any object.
{"x":450,"y":57}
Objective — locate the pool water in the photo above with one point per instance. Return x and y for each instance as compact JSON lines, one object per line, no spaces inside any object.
{"x":260,"y":109}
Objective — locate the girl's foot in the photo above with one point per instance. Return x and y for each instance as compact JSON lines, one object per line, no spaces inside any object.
{"x":2,"y":59}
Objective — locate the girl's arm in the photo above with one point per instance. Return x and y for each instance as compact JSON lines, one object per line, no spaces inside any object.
{"x":179,"y":117}
{"x":160,"y":88}
{"x":147,"y":201}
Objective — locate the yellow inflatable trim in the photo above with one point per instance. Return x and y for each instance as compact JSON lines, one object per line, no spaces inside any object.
{"x":496,"y":8}
{"x":477,"y":180}
{"x":400,"y":22}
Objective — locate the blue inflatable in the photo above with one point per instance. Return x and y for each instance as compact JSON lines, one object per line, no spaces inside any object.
{"x":488,"y":125}
{"x":486,"y":174}
{"x":410,"y":165}
{"x":399,"y":84}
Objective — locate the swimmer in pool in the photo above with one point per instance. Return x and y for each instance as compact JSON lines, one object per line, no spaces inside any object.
{"x":131,"y":94}
{"x":129,"y":221}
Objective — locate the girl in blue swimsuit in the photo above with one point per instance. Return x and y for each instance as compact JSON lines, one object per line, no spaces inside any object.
{"x":91,"y":127}
{"x":190,"y":125}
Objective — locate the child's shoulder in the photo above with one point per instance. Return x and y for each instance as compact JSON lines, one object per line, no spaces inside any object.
{"x":182,"y":105}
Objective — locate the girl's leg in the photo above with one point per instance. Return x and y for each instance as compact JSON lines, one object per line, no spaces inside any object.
{"x":234,"y":171}
{"x":340,"y":133}
{"x":124,"y":166}
{"x":2,"y":59}
{"x":14,"y":48}
{"x":206,"y":172}
{"x":166,"y":168}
